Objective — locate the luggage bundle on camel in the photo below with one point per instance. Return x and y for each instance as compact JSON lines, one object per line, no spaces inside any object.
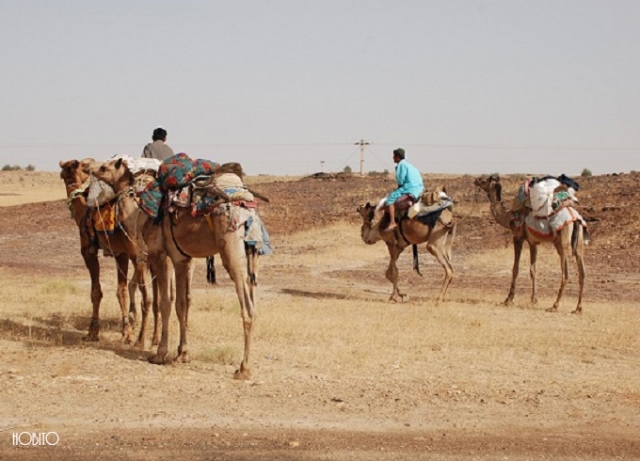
{"x":102,"y":199}
{"x":549,"y":204}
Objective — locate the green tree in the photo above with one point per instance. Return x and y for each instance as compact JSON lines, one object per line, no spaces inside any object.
{"x":347,"y":170}
{"x":586,"y":172}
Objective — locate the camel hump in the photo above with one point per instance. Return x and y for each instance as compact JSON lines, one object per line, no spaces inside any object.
{"x":231,"y":167}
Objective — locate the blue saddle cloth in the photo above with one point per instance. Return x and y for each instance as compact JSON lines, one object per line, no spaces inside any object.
{"x":430,"y":219}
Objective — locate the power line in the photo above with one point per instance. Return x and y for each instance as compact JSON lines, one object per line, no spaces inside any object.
{"x":283,"y":144}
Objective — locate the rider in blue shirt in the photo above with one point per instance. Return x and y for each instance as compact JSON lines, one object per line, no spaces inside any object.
{"x":409,"y":183}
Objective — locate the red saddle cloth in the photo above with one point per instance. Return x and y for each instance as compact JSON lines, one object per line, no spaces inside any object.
{"x":405,"y":202}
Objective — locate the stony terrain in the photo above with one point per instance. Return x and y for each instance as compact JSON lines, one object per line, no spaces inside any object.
{"x":566,"y":399}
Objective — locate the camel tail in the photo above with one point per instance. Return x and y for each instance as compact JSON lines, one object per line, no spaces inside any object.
{"x":416,"y":261}
{"x":211,"y":270}
{"x":575,"y":236}
{"x":586,"y":236}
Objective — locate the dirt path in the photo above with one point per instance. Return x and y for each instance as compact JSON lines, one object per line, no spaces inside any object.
{"x":339,"y":374}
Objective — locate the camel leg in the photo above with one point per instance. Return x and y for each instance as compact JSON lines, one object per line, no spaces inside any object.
{"x":582,"y":272}
{"x":163,"y":276}
{"x":563,"y":245}
{"x":437,"y":247}
{"x":155,"y":307}
{"x":93,"y":265}
{"x":233,"y":259}
{"x":533,"y":259}
{"x":142,"y":280}
{"x":517,"y":251}
{"x":451,"y":235}
{"x":252,"y":255}
{"x":392,"y":272}
{"x":183,"y":279}
{"x":188,"y":294}
{"x":122,"y":267}
{"x":133,"y":313}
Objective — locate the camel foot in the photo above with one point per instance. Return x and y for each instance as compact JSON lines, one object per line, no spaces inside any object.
{"x":552,"y":309}
{"x":534,"y":301}
{"x":132,"y":319}
{"x":395,"y":299}
{"x":242,"y":374}
{"x":155,"y":341}
{"x":158,"y":359}
{"x":508,"y":302}
{"x":578,"y":310}
{"x":183,"y":357}
{"x":94,"y":331}
{"x":139,"y":344}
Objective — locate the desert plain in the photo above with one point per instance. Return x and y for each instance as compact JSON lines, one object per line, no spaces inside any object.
{"x":338,"y":372}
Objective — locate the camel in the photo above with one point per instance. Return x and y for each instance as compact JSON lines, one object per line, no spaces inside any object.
{"x":571,"y":239}
{"x":181,"y":237}
{"x":439,"y":240}
{"x":75,"y":173}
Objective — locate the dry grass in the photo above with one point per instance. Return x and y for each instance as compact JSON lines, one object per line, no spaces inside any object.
{"x":19,"y":187}
{"x":470,"y":344}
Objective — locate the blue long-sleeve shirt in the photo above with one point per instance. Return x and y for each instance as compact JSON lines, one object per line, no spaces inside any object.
{"x":409,"y":182}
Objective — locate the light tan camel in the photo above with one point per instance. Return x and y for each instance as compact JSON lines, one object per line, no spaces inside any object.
{"x":439,"y":240}
{"x":75,"y":173}
{"x":181,"y":238}
{"x":570,"y":240}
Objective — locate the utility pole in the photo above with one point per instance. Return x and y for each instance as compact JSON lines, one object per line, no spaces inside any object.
{"x":362,"y":143}
{"x":322,"y":166}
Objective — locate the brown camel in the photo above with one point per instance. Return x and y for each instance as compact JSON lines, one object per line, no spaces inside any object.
{"x":74,"y":174}
{"x":182,"y":237}
{"x":439,"y":240}
{"x":569,"y":240}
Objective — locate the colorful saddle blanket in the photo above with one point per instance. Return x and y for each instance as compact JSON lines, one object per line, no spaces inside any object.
{"x":100,"y":220}
{"x":174,"y":173}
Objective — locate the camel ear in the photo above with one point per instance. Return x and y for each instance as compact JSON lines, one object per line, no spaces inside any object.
{"x":118,"y":164}
{"x":61,"y":163}
{"x":86,"y":166}
{"x":367,"y":205}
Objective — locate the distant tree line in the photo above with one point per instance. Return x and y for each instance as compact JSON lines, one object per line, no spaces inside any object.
{"x":8,"y":167}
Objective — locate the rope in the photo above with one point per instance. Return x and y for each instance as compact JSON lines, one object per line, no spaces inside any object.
{"x":119,"y":197}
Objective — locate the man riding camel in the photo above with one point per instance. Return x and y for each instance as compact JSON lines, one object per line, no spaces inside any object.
{"x":409,"y":183}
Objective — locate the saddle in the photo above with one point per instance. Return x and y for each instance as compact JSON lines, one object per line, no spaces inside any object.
{"x":404,"y":203}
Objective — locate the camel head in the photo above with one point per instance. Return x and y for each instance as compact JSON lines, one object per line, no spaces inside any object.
{"x":491,"y":185}
{"x":74,"y":173}
{"x":369,"y":232}
{"x":115,"y":173}
{"x":367,"y":212}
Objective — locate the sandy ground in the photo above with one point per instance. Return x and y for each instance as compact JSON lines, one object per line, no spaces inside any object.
{"x":458,"y":396}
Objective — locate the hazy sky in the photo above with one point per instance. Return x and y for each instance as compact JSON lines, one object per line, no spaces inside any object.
{"x":509,"y":86}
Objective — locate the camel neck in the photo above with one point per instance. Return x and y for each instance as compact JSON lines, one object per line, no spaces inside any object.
{"x":369,"y":234}
{"x":499,"y":211}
